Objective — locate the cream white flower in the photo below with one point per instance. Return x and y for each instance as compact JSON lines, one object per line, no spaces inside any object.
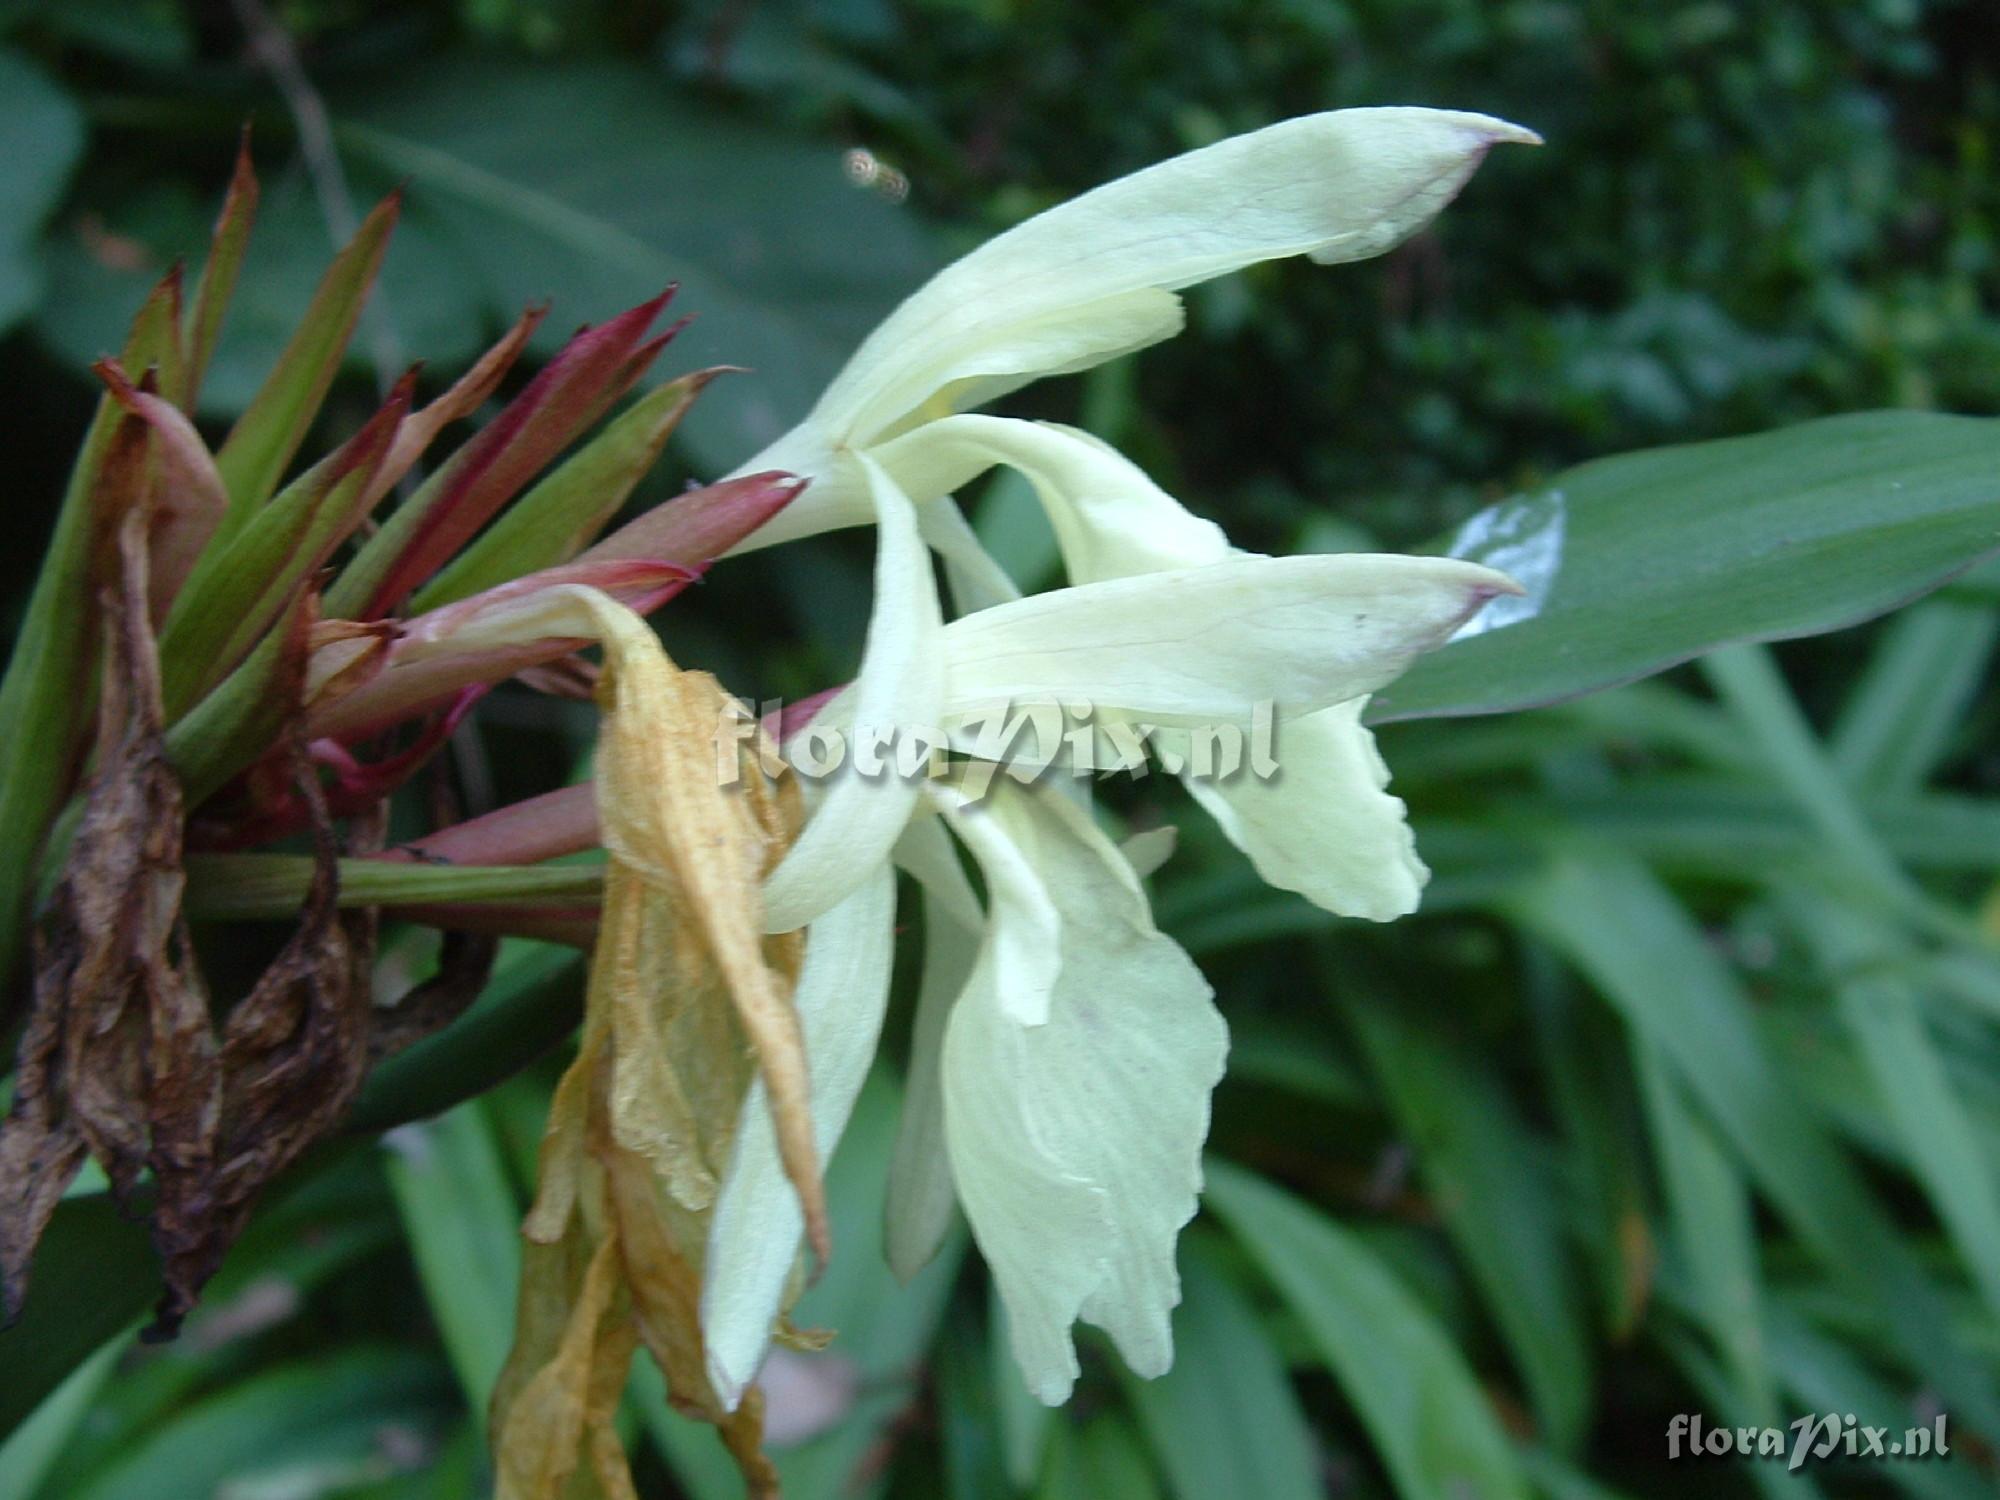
{"x":1084,"y":282}
{"x":1065,"y":1050}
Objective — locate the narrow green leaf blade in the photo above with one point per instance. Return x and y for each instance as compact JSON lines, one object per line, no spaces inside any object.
{"x":1225,"y":1419}
{"x":562,"y":514}
{"x":30,"y":1450}
{"x":1622,"y":929}
{"x":1486,"y":1172}
{"x":1431,"y":1422}
{"x":261,"y":444}
{"x":245,"y":578}
{"x":1713,"y":1230}
{"x":218,"y":276}
{"x":463,"y":1223}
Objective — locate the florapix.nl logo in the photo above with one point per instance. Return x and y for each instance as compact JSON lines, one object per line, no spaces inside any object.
{"x":1026,"y":741}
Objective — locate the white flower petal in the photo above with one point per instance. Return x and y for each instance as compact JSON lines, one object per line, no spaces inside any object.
{"x":1324,"y":825}
{"x":977,"y":581}
{"x":1205,"y":645}
{"x":1022,"y":950}
{"x":1337,"y":186}
{"x":1076,"y":1144}
{"x":1146,"y":852}
{"x":755,"y":1236}
{"x":1109,"y":518}
{"x":921,"y":1200}
{"x":900,"y":687}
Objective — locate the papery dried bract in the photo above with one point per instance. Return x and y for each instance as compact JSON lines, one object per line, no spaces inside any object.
{"x":685,"y":991}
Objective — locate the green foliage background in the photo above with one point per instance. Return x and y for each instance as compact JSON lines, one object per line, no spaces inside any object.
{"x":1683,"y":1095}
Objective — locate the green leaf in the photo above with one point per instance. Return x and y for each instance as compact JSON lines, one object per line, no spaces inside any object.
{"x":28,"y":1452}
{"x":591,"y":181}
{"x":1099,"y":1459}
{"x":1823,"y":1375}
{"x":49,"y":692}
{"x":226,"y":249}
{"x":1713,"y":1231}
{"x":1897,"y":725}
{"x":560,"y":516}
{"x":1907,"y":1070}
{"x":1623,"y":930}
{"x":41,"y":137}
{"x":1431,"y":1423}
{"x":259,"y":447}
{"x":1671,"y":552}
{"x":1224,"y":1420}
{"x":963,"y":1369}
{"x":328,"y":1412}
{"x":1488,"y":1175}
{"x":94,"y":1275}
{"x":462,"y":1222}
{"x":533,"y":1001}
{"x":245,"y":578}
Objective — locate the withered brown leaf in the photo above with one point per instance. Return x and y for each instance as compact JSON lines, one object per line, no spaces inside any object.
{"x":118,"y":1056}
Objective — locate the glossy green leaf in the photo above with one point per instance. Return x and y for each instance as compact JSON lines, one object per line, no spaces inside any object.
{"x":1437,"y":1434}
{"x":1225,"y":1419}
{"x":593,"y":182}
{"x":1664,"y":554}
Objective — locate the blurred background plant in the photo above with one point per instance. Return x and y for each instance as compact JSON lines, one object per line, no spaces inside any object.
{"x":1683,"y":1094}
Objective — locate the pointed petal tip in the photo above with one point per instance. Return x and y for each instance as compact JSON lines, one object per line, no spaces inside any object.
{"x":727,"y":1387}
{"x":1499,"y":132}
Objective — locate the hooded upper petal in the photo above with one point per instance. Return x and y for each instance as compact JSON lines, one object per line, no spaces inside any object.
{"x":1095,"y":277}
{"x":1075,"y":1143}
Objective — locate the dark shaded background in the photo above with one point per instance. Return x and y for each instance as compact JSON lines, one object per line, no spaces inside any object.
{"x":1746,"y":215}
